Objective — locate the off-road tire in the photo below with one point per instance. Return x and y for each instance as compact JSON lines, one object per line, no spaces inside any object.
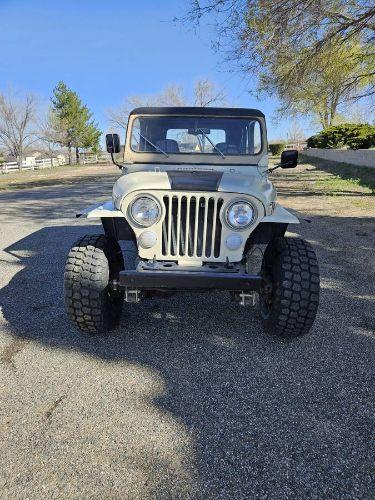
{"x":288,"y":305}
{"x":93,"y":305}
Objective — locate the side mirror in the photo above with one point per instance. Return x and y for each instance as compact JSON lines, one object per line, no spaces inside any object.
{"x":289,"y":158}
{"x":112,"y":142}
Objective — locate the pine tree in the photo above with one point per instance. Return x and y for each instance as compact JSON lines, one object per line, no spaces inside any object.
{"x":74,"y":120}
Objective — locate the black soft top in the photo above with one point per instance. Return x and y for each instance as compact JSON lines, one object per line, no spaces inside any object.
{"x":208,"y":111}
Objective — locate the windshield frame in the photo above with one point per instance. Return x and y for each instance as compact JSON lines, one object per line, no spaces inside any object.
{"x":197,"y":158}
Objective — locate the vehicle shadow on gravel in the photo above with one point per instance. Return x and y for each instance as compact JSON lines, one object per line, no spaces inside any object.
{"x":55,"y":202}
{"x":267,"y":416}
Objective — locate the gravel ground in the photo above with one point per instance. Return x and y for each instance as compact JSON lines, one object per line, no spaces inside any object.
{"x":188,"y":398}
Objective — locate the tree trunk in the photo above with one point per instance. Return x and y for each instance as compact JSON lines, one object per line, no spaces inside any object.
{"x":334,"y":104}
{"x":19,"y":160}
{"x":70,"y":154}
{"x":77,"y":155}
{"x":322,"y":121}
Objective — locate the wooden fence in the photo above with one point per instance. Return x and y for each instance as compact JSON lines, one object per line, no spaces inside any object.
{"x":94,"y":158}
{"x":38,"y":164}
{"x":32,"y":163}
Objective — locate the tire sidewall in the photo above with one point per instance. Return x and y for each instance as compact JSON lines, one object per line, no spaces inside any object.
{"x":92,"y":305}
{"x":291,"y":266}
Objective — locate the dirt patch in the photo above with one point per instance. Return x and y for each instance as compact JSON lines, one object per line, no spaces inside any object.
{"x":10,"y":351}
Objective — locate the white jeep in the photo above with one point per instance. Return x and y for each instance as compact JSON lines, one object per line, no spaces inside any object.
{"x":196,"y":199}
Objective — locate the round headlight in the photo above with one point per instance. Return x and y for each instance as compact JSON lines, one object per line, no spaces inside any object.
{"x":240,"y":215}
{"x":145,"y":211}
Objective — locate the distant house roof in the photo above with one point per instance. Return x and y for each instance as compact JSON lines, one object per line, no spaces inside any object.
{"x":207,"y":111}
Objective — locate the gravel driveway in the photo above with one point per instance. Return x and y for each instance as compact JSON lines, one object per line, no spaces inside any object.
{"x":189,"y":398}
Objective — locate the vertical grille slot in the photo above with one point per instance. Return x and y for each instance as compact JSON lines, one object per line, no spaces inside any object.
{"x":201,"y":221}
{"x":192,"y":210}
{"x":164,"y":241}
{"x":209,"y":227}
{"x":183,"y":227}
{"x":217,"y":235}
{"x":191,"y":226}
{"x":174,"y":223}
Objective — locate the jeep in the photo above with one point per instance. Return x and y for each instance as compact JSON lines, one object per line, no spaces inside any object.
{"x":195,"y":197}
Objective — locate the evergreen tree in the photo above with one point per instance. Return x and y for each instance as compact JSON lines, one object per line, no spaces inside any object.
{"x":74,"y":121}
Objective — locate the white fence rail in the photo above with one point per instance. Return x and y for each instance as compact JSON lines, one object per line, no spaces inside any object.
{"x":49,"y":162}
{"x":32,"y":163}
{"x":12,"y":166}
{"x":93,"y":158}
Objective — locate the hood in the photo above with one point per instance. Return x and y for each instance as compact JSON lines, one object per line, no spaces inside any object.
{"x":252,"y":183}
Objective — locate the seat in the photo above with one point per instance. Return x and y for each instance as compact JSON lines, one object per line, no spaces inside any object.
{"x":168,"y":145}
{"x":227,"y":149}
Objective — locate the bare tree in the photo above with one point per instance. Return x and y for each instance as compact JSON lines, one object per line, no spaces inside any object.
{"x":207,"y":93}
{"x":16,"y":121}
{"x":172,"y":95}
{"x":50,"y":135}
{"x":118,"y":116}
{"x":296,"y":134}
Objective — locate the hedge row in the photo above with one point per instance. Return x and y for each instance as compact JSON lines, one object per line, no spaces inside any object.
{"x":276,"y":148}
{"x":353,"y":136}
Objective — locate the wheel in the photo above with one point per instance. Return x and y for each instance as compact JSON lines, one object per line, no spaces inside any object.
{"x":289,"y":300}
{"x":92,"y":304}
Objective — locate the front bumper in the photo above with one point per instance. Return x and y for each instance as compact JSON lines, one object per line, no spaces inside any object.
{"x":189,"y":280}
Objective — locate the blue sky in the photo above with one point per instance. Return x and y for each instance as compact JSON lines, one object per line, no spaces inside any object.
{"x":107,"y":49}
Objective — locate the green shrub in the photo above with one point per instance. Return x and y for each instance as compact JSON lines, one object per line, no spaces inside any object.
{"x":276,"y":148}
{"x":351,"y":135}
{"x":313,"y":141}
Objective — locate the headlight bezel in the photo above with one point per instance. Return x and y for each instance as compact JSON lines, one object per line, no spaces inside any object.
{"x":235,"y":202}
{"x":130,"y":211}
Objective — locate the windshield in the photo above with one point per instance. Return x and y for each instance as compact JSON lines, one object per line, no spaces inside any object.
{"x":196,"y":135}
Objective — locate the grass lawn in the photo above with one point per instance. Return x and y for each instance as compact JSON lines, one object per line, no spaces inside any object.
{"x":343,"y":176}
{"x":335,"y":185}
{"x":316,"y":187}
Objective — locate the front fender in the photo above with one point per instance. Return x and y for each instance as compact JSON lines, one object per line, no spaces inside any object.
{"x":100,"y":211}
{"x":139,"y":181}
{"x":280,"y":214}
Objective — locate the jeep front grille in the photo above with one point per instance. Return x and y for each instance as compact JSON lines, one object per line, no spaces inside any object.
{"x":191,"y":226}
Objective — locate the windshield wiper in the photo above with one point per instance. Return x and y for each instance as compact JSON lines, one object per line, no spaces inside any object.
{"x":212,"y":144}
{"x":153,"y":145}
